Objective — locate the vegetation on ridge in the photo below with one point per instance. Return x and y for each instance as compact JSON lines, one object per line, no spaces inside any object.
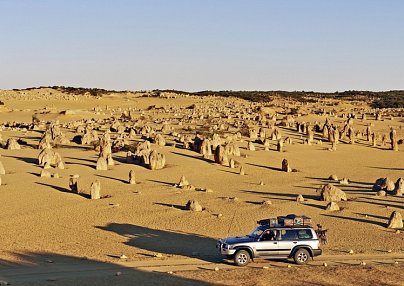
{"x":380,"y":99}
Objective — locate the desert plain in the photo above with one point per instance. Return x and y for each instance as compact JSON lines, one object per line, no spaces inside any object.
{"x":58,"y":229}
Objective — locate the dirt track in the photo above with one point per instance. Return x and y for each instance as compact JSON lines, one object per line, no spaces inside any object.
{"x":67,"y":269}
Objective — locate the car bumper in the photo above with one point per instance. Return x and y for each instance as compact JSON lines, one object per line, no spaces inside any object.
{"x":317,"y":252}
{"x":224,"y":250}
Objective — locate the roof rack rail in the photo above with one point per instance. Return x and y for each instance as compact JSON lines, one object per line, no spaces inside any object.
{"x":290,"y":220}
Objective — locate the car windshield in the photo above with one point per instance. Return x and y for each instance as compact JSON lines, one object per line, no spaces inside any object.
{"x":256,"y":232}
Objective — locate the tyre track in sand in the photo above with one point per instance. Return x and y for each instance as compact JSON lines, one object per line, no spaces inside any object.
{"x":77,"y":268}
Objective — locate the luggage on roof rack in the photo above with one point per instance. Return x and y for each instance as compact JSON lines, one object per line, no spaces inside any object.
{"x":268,"y":221}
{"x":288,"y":220}
{"x":294,"y":220}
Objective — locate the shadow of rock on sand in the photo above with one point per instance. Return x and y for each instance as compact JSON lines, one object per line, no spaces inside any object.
{"x":112,"y":178}
{"x":55,"y":269}
{"x":162,"y":182}
{"x":231,"y":172}
{"x":373,"y":216}
{"x":121,"y":159}
{"x":179,"y":207}
{"x":383,"y":224}
{"x":194,"y":157}
{"x":387,"y":168}
{"x":58,"y":188}
{"x":28,"y":160}
{"x":266,"y":167}
{"x":380,"y":202}
{"x":321,"y":207}
{"x":80,"y":164}
{"x":83,"y":159}
{"x":354,"y":187}
{"x":167,"y":242}
{"x":64,"y":190}
{"x":291,"y":196}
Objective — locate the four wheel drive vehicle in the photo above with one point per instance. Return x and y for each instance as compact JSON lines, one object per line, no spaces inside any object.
{"x":272,"y":241}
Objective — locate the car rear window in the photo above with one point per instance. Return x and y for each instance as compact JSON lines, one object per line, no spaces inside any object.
{"x":294,"y":234}
{"x":304,"y":234}
{"x":288,"y":234}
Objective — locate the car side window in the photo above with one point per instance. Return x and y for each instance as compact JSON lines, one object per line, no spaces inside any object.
{"x":268,"y":235}
{"x":305,"y":234}
{"x":289,"y":234}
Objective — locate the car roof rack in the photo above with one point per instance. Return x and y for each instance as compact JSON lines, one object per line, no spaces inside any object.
{"x":290,"y":220}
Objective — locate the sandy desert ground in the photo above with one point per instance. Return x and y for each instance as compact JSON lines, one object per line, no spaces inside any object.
{"x":43,"y":222}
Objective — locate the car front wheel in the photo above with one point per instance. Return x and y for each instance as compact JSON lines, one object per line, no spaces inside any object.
{"x":241,"y":258}
{"x":301,"y":256}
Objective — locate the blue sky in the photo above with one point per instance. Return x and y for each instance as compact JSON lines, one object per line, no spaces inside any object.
{"x":203,"y":44}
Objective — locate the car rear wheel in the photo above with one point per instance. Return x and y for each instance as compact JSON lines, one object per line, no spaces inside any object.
{"x":301,"y":256}
{"x":242,"y":258}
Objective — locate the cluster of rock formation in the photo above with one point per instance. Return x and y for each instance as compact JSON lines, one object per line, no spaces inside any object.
{"x":105,"y":154}
{"x":385,"y":185}
{"x":222,"y":133}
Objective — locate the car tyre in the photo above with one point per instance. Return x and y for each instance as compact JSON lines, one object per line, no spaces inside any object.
{"x":301,"y":256}
{"x":242,"y":258}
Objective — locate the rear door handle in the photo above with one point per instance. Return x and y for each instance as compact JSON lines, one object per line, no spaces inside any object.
{"x":294,"y":242}
{"x":275,"y":243}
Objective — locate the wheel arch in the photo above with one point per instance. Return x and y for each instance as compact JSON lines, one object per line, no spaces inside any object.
{"x":297,"y":247}
{"x":246,"y":248}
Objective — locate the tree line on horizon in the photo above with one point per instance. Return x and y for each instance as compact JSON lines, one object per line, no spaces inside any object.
{"x":377,"y":99}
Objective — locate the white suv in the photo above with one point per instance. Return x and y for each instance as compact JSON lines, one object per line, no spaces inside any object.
{"x":272,"y":242}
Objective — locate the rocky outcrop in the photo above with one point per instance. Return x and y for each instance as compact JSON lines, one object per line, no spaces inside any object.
{"x":330,"y":193}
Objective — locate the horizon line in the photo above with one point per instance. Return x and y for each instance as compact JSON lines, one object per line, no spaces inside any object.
{"x":199,"y":91}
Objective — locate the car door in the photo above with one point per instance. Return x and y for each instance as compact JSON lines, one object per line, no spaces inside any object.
{"x":266,"y":247}
{"x":288,"y":238}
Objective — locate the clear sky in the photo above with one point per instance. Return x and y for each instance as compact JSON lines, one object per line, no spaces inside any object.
{"x":321,"y":45}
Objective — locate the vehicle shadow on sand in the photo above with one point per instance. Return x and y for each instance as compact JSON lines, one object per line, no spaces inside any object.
{"x":37,"y":268}
{"x":166,"y":242}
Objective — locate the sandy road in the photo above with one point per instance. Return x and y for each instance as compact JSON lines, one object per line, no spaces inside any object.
{"x":56,"y":271}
